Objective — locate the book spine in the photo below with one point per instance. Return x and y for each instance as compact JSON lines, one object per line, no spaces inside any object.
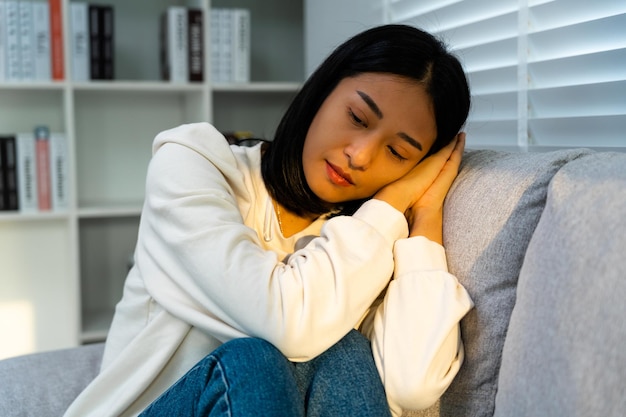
{"x":3,"y":25}
{"x":95,"y":49}
{"x":27,"y":55}
{"x":9,"y":167}
{"x":80,"y":41}
{"x":214,"y":27}
{"x":177,"y":43}
{"x":12,"y":41}
{"x":3,"y":202}
{"x":59,"y":186}
{"x":240,"y":46}
{"x":8,"y":174}
{"x":26,"y":172}
{"x":195,"y":38}
{"x":164,"y":58}
{"x":41,"y":40}
{"x":106,"y":42}
{"x":56,"y":40}
{"x":42,"y":151}
{"x":225,"y":45}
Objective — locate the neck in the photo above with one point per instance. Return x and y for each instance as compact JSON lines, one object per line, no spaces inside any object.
{"x":291,"y":223}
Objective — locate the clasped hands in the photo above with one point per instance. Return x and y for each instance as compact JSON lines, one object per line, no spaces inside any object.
{"x":421,"y":192}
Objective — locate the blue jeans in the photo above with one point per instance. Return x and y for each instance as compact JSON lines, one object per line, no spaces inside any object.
{"x":250,"y":377}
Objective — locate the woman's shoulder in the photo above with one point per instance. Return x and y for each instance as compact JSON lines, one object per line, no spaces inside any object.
{"x":203,"y":138}
{"x":238,"y":165}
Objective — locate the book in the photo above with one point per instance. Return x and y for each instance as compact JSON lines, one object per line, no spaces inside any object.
{"x":42,"y":153}
{"x":26,"y":172}
{"x":2,"y":175}
{"x":195,"y":37}
{"x":41,"y":40}
{"x":59,"y":186}
{"x":56,"y":40}
{"x":95,"y":40}
{"x":225,"y":24}
{"x":80,"y":41}
{"x":26,"y":35}
{"x":2,"y":43}
{"x":174,"y":44}
{"x":12,"y":41}
{"x":9,"y":173}
{"x":101,"y":45}
{"x":216,"y":40}
{"x":106,"y":42}
{"x":230,"y":45}
{"x":240,"y":48}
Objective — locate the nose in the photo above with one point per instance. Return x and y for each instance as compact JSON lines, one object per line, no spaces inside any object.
{"x":360,"y":152}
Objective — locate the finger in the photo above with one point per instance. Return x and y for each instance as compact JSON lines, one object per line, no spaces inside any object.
{"x":460,"y":144}
{"x":450,"y":169}
{"x":457,"y":153}
{"x":449,"y":148}
{"x":434,"y":163}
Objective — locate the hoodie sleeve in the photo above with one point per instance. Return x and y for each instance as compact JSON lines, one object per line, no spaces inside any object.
{"x":415,"y":327}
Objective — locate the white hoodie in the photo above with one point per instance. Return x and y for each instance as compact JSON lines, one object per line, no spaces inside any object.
{"x":211,"y":265}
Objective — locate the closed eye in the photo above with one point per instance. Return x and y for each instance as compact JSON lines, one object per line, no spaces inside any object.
{"x":396,"y":154}
{"x":356,"y":119}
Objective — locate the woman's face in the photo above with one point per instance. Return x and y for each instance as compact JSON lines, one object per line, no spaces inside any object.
{"x":370,"y":131}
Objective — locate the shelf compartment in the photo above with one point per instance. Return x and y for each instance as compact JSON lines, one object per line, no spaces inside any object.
{"x":251,"y":111}
{"x":38,"y":286}
{"x":276,"y":39}
{"x":96,"y":325}
{"x":114,"y":135}
{"x":106,"y":249}
{"x":22,"y":109}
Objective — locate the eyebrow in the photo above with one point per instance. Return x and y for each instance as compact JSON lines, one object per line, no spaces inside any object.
{"x":410,"y":140}
{"x":374,"y":107}
{"x":371,"y":104}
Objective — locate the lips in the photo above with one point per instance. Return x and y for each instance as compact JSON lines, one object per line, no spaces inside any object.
{"x":337,"y":176}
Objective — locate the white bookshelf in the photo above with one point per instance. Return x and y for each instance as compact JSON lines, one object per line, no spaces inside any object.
{"x":61,"y":274}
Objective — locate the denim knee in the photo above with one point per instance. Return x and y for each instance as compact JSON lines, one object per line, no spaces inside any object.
{"x":343,"y":381}
{"x":242,"y":377}
{"x":257,"y":379}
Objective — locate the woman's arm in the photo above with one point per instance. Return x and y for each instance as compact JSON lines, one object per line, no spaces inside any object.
{"x":203,"y":265}
{"x":415,"y":330}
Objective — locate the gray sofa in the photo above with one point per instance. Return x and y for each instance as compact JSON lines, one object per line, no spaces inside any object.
{"x":539,"y":241}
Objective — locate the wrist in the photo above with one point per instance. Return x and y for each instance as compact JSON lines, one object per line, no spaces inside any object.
{"x":427,"y":223}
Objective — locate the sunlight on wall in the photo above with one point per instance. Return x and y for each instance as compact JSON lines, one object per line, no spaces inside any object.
{"x":17,"y":328}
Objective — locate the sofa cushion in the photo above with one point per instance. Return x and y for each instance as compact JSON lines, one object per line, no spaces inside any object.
{"x":44,"y":384}
{"x":564,"y":354}
{"x":490,"y":214}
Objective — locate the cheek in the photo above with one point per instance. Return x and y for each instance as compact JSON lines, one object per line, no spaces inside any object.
{"x":386,"y":176}
{"x":310,"y":155}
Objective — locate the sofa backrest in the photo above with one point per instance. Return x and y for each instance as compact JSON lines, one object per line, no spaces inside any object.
{"x":564,"y":352}
{"x":490,"y":215}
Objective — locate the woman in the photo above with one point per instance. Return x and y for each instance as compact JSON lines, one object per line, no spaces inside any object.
{"x":254,"y":266}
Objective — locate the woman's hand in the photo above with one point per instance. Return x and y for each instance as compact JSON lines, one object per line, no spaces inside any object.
{"x":420,"y":193}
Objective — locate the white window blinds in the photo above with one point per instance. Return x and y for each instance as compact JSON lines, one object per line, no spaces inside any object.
{"x":543,"y":73}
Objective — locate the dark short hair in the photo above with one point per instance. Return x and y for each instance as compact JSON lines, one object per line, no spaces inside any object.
{"x":393,"y":49}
